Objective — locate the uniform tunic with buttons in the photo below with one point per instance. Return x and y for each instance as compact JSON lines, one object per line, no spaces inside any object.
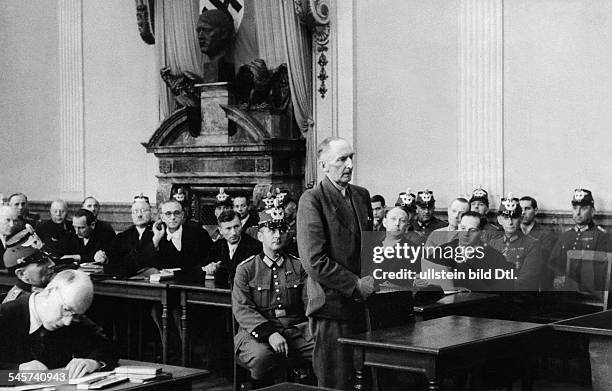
{"x":593,"y":237}
{"x":268,"y":296}
{"x":525,"y":253}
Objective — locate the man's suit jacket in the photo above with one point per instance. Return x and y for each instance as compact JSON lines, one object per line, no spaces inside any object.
{"x":82,"y":339}
{"x":195,"y":249}
{"x":128,"y":254}
{"x":100,"y":239}
{"x":219,"y":252}
{"x":329,"y":241}
{"x":59,"y":239}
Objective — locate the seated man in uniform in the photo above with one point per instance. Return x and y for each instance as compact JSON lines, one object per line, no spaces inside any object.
{"x":45,"y":330}
{"x":24,"y":259}
{"x":19,"y":202}
{"x":585,"y":235}
{"x":425,"y":221}
{"x":91,"y":244}
{"x":229,"y":251}
{"x":407,"y":200}
{"x":521,"y":250}
{"x":58,"y":233}
{"x":290,"y":207}
{"x":268,"y":304}
{"x":132,"y":250}
{"x":479,"y":203}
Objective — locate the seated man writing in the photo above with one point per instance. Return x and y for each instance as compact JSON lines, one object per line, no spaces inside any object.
{"x":24,"y":259}
{"x":45,"y":330}
{"x":268,"y":303}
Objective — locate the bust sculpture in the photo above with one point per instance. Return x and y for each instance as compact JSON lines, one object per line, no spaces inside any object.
{"x":145,"y":21}
{"x":215,"y":30}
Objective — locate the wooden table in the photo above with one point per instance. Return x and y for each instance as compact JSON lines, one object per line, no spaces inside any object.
{"x":200,"y":294}
{"x":462,"y":303}
{"x":438,"y":346}
{"x":140,"y":290}
{"x":294,"y":387}
{"x":182,"y":379}
{"x":598,"y":328}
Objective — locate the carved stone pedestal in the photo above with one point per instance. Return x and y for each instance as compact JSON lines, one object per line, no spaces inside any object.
{"x":214,"y":122}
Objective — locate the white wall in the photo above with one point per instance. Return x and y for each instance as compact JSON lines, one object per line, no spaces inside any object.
{"x":557,"y":98}
{"x":120,"y":102}
{"x":29,"y":98}
{"x":406,"y":106}
{"x":120,"y":79}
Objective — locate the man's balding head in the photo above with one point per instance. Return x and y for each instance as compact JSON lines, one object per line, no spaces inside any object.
{"x":69,"y":294}
{"x":58,"y":211}
{"x":335,"y":157}
{"x":8,"y":220}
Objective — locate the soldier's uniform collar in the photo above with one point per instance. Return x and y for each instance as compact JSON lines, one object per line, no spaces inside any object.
{"x":273,"y":262}
{"x":588,"y":227}
{"x":512,"y":238}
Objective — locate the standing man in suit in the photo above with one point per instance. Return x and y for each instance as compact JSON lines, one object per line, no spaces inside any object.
{"x":9,"y":221}
{"x":179,"y":245}
{"x":332,"y":218}
{"x":91,"y":245}
{"x":132,"y":250}
{"x":233,"y":248}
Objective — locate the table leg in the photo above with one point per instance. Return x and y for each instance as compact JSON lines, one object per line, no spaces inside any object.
{"x":139,"y":334}
{"x":164,"y":320}
{"x":184,"y":336}
{"x":129,"y":330}
{"x":358,"y":359}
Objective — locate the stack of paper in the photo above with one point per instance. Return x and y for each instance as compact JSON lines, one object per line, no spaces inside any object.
{"x":164,"y":274}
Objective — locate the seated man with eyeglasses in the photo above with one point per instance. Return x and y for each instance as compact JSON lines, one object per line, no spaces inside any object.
{"x":45,"y":330}
{"x":179,"y":245}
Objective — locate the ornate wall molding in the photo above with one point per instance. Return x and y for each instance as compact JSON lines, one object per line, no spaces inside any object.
{"x":71,"y":118}
{"x":315,"y":14}
{"x":480,"y":95}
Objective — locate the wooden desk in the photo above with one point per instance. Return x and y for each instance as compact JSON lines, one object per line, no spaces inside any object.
{"x":463,"y":303}
{"x":182,"y":379}
{"x":438,"y":346}
{"x":196,"y":293}
{"x":294,"y":387}
{"x":598,"y":328}
{"x":139,"y":290}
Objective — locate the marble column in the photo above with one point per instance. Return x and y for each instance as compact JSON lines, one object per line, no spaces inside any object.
{"x":480,"y":96}
{"x":72,"y":151}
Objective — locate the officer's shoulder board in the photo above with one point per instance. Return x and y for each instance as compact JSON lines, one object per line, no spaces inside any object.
{"x":13,"y":294}
{"x":249,"y":259}
{"x":601,"y":229}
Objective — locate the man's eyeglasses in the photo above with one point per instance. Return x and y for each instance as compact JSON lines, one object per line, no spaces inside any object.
{"x":143,"y":211}
{"x":67,"y":311}
{"x":175,"y":213}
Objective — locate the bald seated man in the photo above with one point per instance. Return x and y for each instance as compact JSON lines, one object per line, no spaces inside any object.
{"x":46,"y":330}
{"x":9,"y":223}
{"x":58,"y":233}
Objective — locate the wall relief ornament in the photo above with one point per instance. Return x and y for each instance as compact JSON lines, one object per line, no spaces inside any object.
{"x":315,"y":14}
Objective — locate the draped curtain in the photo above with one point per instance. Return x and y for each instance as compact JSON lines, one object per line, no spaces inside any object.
{"x":176,"y":44}
{"x":282,"y":38}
